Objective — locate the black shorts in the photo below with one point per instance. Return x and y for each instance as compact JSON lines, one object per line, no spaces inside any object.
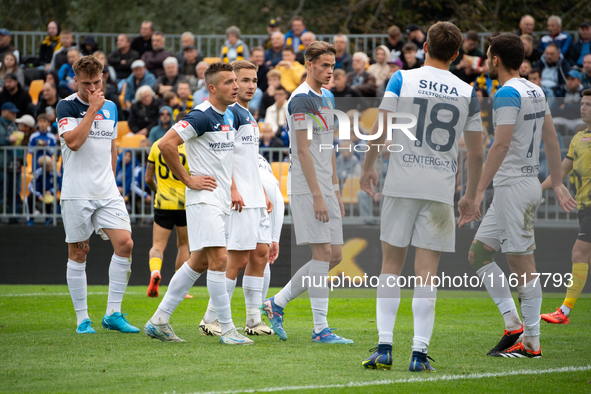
{"x":168,"y":218}
{"x":585,"y":225}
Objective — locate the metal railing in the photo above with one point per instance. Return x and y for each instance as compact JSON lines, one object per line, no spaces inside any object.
{"x":209,"y":45}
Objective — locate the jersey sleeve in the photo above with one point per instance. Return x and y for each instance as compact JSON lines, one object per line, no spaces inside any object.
{"x":571,"y":149}
{"x":153,"y":152}
{"x":67,"y":116}
{"x":390,"y":101}
{"x":193,"y":125}
{"x":506,"y":106}
{"x":301,"y":111}
{"x":474,"y":121}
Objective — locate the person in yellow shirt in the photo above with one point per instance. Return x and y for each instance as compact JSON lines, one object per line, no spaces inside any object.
{"x":291,"y":71}
{"x":577,"y":160}
{"x":169,"y":211}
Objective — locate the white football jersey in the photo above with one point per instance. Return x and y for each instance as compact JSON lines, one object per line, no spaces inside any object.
{"x":271,"y":185}
{"x":444,"y":106}
{"x":523,"y":104}
{"x":305,"y":104}
{"x":88,"y":172}
{"x":209,"y":141}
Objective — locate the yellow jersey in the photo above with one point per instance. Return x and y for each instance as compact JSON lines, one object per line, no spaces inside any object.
{"x":171,"y":191}
{"x":579,"y":151}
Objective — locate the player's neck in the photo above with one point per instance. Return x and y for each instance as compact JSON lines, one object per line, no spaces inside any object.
{"x":216,"y":104}
{"x":314,"y":84}
{"x":429,"y":61}
{"x":506,"y":75}
{"x":82,"y":98}
{"x":243,"y":103}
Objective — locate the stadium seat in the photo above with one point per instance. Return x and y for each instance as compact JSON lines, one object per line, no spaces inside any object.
{"x":210,"y":60}
{"x":27,"y":177}
{"x":131,"y":141}
{"x":350,"y":189}
{"x":280,"y":169}
{"x":122,"y":131}
{"x":35,"y":89}
{"x":122,"y":95}
{"x":283,"y":187}
{"x":368,"y":118}
{"x":30,"y":163}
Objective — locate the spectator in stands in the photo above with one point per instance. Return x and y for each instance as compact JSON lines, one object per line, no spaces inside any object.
{"x":364,"y":200}
{"x":572,"y":91}
{"x":485,"y":82}
{"x":532,"y":53}
{"x":139,"y":77}
{"x":8,"y":164}
{"x":170,"y":78}
{"x":586,"y":72}
{"x":126,"y":162}
{"x":43,"y":188}
{"x":394,"y":42}
{"x":171,"y":99}
{"x":359,"y":78}
{"x":527,"y":26}
{"x":347,"y":164}
{"x":183,"y":90}
{"x":66,"y":73}
{"x":582,"y":47}
{"x":343,"y":59}
{"x":257,"y":56}
{"x":394,"y":65}
{"x":10,"y":66}
{"x":142,"y":192}
{"x":291,"y":71}
{"x":188,"y":64}
{"x":110,"y":91}
{"x":15,"y":93}
{"x":49,"y":45}
{"x":269,"y":140}
{"x":410,"y":60}
{"x":43,"y":138}
{"x":100,"y":55}
{"x":556,"y":35}
{"x":341,"y":89}
{"x":48,"y":102}
{"x":26,"y":124}
{"x":535,"y":77}
{"x":143,"y":43}
{"x":418,"y":37}
{"x":275,"y":115}
{"x":273,"y":82}
{"x":164,"y":124}
{"x":273,"y":55}
{"x":156,"y":56}
{"x":272,"y":27}
{"x":525,"y":68}
{"x":60,"y":57}
{"x":380,"y":69}
{"x":122,"y":58}
{"x":187,"y":40}
{"x":553,"y":67}
{"x":234,"y":48}
{"x":470,"y":61}
{"x":307,"y":38}
{"x":143,"y":114}
{"x":5,"y":46}
{"x":88,"y":46}
{"x":201,"y":93}
{"x":293,"y":38}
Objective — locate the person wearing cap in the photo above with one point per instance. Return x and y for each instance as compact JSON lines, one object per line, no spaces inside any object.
{"x":556,"y":35}
{"x":234,"y":48}
{"x":154,"y":58}
{"x":15,"y":93}
{"x":26,"y":124}
{"x":188,"y":62}
{"x":586,"y":72}
{"x":272,"y":27}
{"x":418,"y":37}
{"x":143,"y":43}
{"x":139,"y":77}
{"x":582,"y":47}
{"x":5,"y":46}
{"x":10,"y":172}
{"x":567,"y":111}
{"x":122,"y":58}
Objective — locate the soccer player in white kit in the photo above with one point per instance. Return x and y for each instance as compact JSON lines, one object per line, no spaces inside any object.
{"x":90,"y":200}
{"x":249,"y":232}
{"x":208,"y":134}
{"x":315,"y":198}
{"x":522,"y":119}
{"x":420,"y":184}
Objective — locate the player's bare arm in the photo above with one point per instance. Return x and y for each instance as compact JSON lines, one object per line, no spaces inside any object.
{"x":335,"y":184}
{"x":494,"y":159}
{"x":467,"y":207}
{"x":76,"y":138}
{"x":149,"y":178}
{"x":565,"y":168}
{"x":552,"y":148}
{"x":168,"y":146}
{"x":369,"y":175}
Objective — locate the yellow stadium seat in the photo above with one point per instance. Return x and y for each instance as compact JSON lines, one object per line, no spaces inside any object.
{"x":36,"y":88}
{"x":27,"y":177}
{"x":350,"y":189}
{"x":368,"y":118}
{"x":283,"y":187}
{"x":279,"y":169}
{"x":210,"y":60}
{"x":122,"y":131}
{"x":122,"y":95}
{"x":131,"y":141}
{"x":30,"y":163}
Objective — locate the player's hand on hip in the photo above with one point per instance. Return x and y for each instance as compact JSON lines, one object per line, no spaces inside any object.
{"x":202,"y":183}
{"x":467,"y":209}
{"x":320,"y":209}
{"x":237,"y":201}
{"x":565,"y":200}
{"x":368,"y":178}
{"x":96,"y":100}
{"x":273,"y":252}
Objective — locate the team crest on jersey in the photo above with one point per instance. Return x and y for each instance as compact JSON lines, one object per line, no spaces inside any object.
{"x":106,"y":113}
{"x":225,"y":127}
{"x":98,"y":117}
{"x":63,"y":122}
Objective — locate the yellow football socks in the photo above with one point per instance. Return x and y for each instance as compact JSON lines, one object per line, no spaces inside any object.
{"x":156,"y":264}
{"x":579,"y":278}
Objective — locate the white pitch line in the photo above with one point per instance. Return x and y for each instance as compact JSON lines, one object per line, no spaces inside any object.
{"x":56,"y":294}
{"x":407,"y":380}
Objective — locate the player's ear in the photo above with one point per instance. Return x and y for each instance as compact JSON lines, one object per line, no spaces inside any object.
{"x":425,"y":47}
{"x":455,"y":56}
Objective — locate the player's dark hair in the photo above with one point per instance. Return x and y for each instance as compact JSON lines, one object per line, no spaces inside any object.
{"x":509,"y":49}
{"x":443,"y":41}
{"x":211,"y":74}
{"x":587,"y":92}
{"x":244,"y":64}
{"x":88,"y":66}
{"x":318,"y":48}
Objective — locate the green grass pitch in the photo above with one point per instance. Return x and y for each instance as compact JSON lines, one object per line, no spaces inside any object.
{"x":41,"y":352}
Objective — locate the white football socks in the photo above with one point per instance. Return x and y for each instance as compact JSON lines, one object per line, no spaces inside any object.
{"x":210,"y":315}
{"x":423,"y":310}
{"x":218,"y":293}
{"x":497,"y":285}
{"x":387,"y":303}
{"x":179,"y":286}
{"x":266,"y":282}
{"x":565,"y":310}
{"x":318,"y":292}
{"x":119,"y":272}
{"x":531,"y":306}
{"x":253,"y":289}
{"x":76,"y":278}
{"x":294,"y":287}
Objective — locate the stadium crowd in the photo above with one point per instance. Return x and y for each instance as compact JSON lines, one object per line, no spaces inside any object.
{"x":153,"y":88}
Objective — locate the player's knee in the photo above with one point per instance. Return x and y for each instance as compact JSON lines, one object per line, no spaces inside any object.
{"x":125,"y":247}
{"x":479,"y":255}
{"x":335,"y":258}
{"x":79,"y":255}
{"x":323,"y":253}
